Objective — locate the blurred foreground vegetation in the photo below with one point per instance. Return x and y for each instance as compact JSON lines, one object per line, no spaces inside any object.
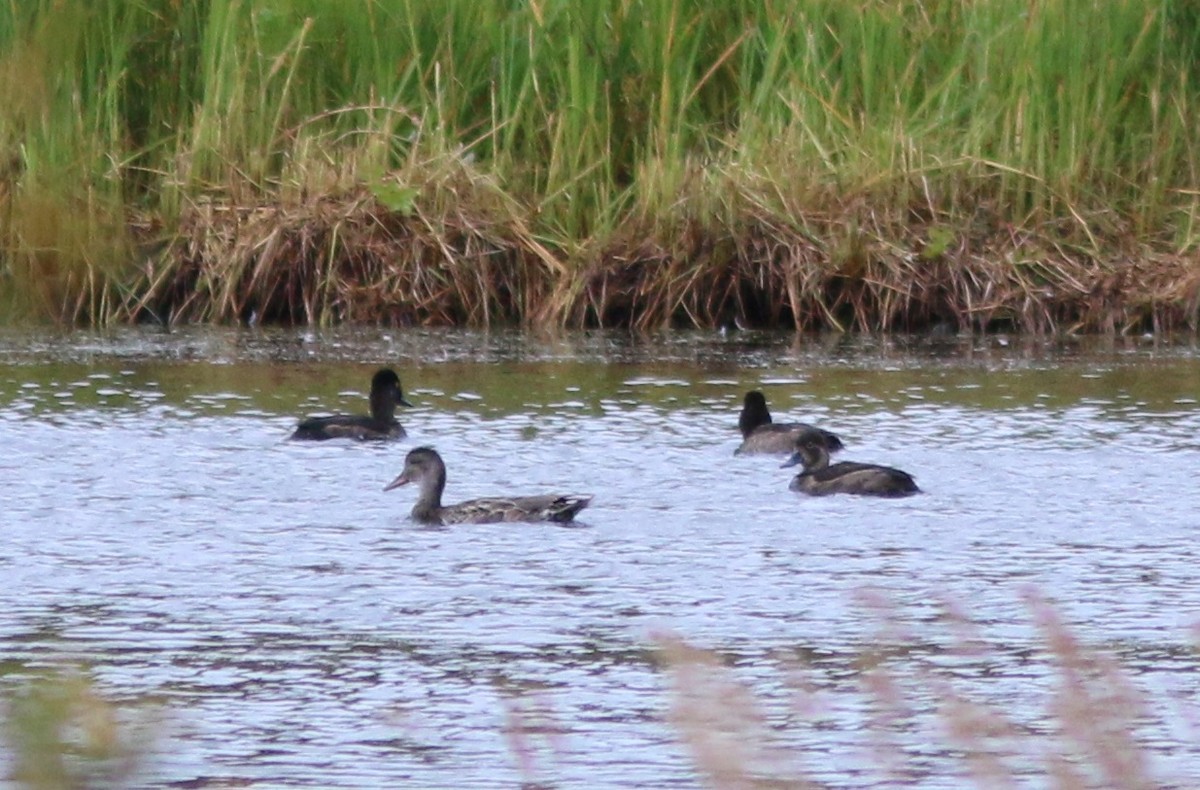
{"x":922,"y":696}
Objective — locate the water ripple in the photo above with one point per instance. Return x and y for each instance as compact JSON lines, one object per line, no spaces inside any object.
{"x":302,"y":631}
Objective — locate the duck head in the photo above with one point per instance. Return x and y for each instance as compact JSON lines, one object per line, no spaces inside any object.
{"x":423,"y":466}
{"x":754,"y":412}
{"x":385,"y":388}
{"x":809,"y":453}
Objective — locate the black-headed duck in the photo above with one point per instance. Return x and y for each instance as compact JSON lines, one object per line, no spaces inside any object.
{"x":761,"y":435}
{"x":381,"y":423}
{"x":846,"y":477}
{"x":425,"y":467}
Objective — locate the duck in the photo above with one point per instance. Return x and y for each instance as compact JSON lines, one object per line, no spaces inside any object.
{"x":846,"y":477}
{"x":761,"y":435}
{"x":381,"y":423}
{"x":424,"y":466}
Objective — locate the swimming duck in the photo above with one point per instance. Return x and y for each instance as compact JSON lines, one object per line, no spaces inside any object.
{"x":847,"y":477}
{"x":425,"y":467}
{"x":381,"y":423}
{"x":760,"y":435}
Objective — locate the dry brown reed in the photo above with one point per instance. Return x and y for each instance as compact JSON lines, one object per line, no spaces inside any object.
{"x":719,"y":721}
{"x":345,"y":259}
{"x":1086,"y":736}
{"x":855,"y":269}
{"x":533,"y":730}
{"x":465,"y":255}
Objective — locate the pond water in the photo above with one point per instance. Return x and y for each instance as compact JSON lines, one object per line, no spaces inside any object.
{"x":284,"y":624}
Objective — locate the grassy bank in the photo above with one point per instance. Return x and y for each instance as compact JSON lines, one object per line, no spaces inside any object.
{"x":872,"y":164}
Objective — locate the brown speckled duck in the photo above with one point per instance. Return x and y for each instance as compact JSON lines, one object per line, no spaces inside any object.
{"x":425,"y":467}
{"x":761,"y":435}
{"x":381,"y":423}
{"x":846,"y":477}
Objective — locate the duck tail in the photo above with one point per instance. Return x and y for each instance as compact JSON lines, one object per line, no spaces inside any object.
{"x":564,"y":508}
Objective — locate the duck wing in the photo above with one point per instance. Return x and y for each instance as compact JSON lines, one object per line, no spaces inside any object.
{"x":842,"y":469}
{"x":344,"y":426}
{"x":781,"y":437}
{"x":489,"y":510}
{"x":867,"y":479}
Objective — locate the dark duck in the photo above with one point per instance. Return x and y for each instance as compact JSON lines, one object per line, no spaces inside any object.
{"x":846,"y":477}
{"x":380,"y":424}
{"x":761,"y":435}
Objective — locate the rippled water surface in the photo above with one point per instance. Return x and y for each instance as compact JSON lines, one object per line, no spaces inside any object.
{"x":289,"y":626}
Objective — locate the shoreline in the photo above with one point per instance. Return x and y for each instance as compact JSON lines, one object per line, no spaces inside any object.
{"x":353,"y":260}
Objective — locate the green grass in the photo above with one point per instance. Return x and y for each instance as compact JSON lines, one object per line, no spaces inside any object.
{"x":656,"y":143}
{"x":60,"y":733}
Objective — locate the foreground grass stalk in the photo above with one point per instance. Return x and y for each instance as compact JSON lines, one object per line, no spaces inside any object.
{"x":1089,"y":733}
{"x":916,"y":703}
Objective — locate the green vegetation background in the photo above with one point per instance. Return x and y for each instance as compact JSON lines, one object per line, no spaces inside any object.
{"x":611,"y":161}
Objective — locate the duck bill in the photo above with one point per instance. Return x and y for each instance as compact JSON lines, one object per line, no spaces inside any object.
{"x":398,"y":395}
{"x":399,"y":481}
{"x":793,"y":461}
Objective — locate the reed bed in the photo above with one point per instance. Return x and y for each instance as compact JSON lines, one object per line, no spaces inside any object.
{"x":873,"y":164}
